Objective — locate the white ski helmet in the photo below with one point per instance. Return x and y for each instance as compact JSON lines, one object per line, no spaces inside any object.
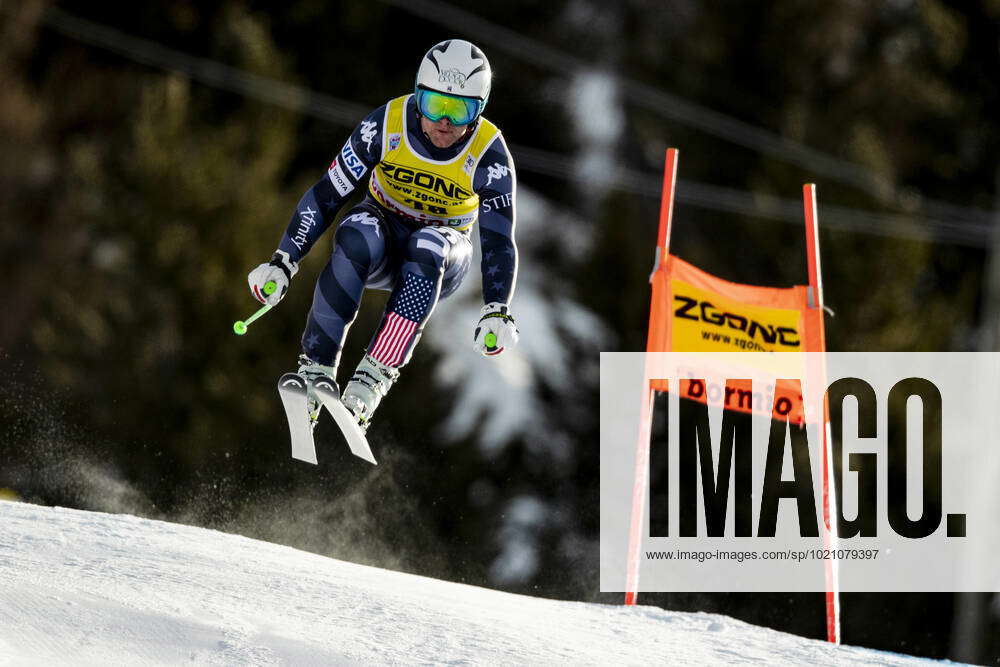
{"x":456,"y":67}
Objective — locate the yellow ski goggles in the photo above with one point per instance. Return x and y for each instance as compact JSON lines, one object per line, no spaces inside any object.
{"x":459,"y":110}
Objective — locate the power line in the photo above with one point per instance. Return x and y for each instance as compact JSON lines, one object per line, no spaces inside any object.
{"x":741,"y":202}
{"x":210,"y":72}
{"x":346,"y":113}
{"x":684,"y":111}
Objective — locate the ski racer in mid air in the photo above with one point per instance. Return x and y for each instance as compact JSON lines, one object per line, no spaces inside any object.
{"x":432,"y":167}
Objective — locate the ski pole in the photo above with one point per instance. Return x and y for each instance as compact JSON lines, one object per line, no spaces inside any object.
{"x":240,"y":327}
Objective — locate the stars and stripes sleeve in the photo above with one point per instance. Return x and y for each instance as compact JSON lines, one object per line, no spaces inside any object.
{"x":348,"y":172}
{"x":496,"y":183}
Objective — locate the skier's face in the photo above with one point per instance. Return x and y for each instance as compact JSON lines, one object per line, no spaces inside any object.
{"x":442,"y":133}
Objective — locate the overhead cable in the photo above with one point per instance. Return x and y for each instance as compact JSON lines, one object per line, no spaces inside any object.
{"x":346,"y":113}
{"x":686,"y":112}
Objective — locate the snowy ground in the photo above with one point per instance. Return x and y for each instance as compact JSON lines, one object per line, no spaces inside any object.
{"x":88,"y":588}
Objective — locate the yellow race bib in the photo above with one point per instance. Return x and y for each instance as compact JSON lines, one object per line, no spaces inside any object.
{"x":432,"y":192}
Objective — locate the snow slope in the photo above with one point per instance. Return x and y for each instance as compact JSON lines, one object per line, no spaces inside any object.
{"x":88,"y":588}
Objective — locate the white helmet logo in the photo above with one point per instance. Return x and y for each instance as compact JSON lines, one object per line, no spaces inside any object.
{"x":452,"y":76}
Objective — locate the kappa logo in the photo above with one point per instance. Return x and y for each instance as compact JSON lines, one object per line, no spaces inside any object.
{"x":368,"y":130}
{"x":452,"y":76}
{"x":394,"y":140}
{"x":496,"y":171}
{"x":364,"y":219}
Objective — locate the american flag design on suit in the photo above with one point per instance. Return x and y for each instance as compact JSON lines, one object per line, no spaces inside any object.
{"x":412,"y":307}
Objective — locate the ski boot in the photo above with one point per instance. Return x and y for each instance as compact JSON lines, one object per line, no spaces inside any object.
{"x":368,"y":386}
{"x":311,"y":371}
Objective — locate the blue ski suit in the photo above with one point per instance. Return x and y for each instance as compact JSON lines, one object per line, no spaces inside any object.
{"x":410,"y":234}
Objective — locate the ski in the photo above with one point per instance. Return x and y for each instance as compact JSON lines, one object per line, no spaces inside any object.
{"x":327,"y":392}
{"x":293,"y":391}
